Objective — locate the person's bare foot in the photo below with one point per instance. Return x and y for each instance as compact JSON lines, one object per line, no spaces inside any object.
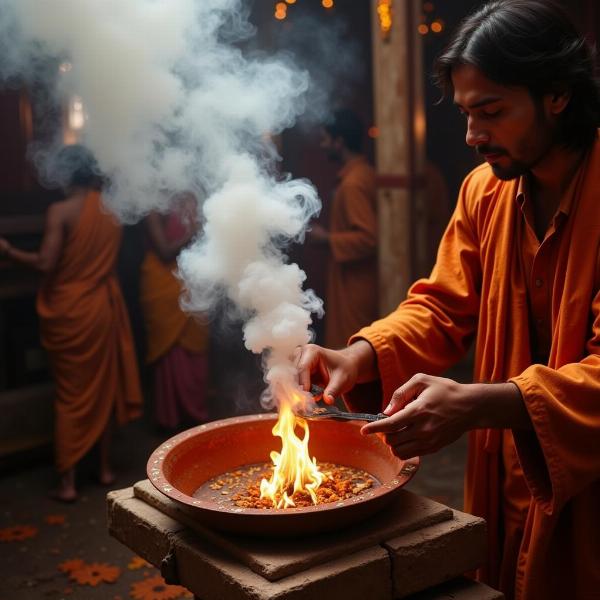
{"x":106,"y":477}
{"x":64,"y":493}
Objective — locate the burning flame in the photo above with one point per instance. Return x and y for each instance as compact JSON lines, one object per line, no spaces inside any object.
{"x":294,"y":470}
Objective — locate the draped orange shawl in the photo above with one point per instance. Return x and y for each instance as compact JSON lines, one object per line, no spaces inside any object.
{"x":477,"y":287}
{"x":85,"y":329}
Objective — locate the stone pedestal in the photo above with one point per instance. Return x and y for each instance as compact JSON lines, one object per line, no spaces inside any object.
{"x":411,"y":547}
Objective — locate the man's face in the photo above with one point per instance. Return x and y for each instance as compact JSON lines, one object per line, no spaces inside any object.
{"x":504,"y":124}
{"x":331,"y":146}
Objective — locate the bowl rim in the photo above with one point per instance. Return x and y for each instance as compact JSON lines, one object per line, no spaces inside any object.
{"x":154,"y":470}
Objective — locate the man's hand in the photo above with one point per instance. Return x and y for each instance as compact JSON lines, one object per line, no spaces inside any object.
{"x":337,"y":371}
{"x":428,"y":413}
{"x":4,"y":246}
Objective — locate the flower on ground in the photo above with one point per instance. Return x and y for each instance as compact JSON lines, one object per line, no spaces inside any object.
{"x":95,"y":573}
{"x":18,"y":533}
{"x":155,"y":588}
{"x":55,"y":519}
{"x":70,"y":565}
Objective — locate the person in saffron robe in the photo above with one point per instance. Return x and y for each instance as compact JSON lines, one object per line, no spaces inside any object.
{"x":518,"y":269}
{"x":352,"y":235}
{"x":84,"y":325}
{"x":176,"y":342}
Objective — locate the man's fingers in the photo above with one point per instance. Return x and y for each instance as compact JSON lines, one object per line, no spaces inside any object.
{"x":406,"y":393}
{"x":404,"y":436}
{"x":305,"y":358}
{"x":332,"y":391}
{"x":409,"y":450}
{"x":399,"y":421}
{"x":303,"y":372}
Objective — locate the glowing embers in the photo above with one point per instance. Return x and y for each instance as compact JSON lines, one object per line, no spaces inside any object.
{"x":241,"y":488}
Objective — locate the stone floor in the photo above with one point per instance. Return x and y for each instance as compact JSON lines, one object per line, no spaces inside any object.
{"x":51,"y":533}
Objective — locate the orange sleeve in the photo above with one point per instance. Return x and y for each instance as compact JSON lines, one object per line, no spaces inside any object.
{"x":359,"y":239}
{"x":434,"y":326}
{"x":561,"y":456}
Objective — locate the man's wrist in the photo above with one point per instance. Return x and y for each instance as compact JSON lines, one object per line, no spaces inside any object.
{"x":364,"y":358}
{"x":498,"y":405}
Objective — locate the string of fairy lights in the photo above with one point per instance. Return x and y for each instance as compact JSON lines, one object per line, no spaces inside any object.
{"x":281,"y":8}
{"x":429,"y":23}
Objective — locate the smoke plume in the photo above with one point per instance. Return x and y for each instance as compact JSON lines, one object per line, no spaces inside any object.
{"x":172,"y":103}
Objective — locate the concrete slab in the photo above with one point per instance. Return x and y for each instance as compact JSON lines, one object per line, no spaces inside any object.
{"x":275,"y":559}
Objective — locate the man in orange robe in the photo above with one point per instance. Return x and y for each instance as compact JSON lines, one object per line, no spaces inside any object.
{"x":83,"y":322}
{"x":519,"y":269}
{"x":176,"y":342}
{"x":352,"y":236}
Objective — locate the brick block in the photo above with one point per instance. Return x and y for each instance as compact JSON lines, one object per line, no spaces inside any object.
{"x":435,"y":554}
{"x":145,"y":530}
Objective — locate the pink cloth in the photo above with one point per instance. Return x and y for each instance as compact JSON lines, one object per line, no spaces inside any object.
{"x":180,"y":379}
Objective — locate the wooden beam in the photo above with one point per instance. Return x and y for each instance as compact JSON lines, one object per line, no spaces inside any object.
{"x":400,"y":147}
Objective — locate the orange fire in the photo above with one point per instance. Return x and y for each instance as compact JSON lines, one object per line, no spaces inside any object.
{"x":294,"y":470}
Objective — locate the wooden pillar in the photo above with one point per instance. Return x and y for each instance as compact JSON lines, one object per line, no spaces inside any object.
{"x":400,"y":147}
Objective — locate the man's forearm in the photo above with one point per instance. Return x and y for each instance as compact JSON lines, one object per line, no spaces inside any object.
{"x":29,"y":259}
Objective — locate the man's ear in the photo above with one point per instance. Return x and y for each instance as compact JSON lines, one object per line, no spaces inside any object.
{"x":558,"y":99}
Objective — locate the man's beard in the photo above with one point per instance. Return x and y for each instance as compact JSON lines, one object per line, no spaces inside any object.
{"x":514,"y":169}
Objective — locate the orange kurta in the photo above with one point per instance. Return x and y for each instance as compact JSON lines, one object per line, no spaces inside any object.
{"x":85,"y":329}
{"x":166,"y":323}
{"x":352,"y":283}
{"x":482,"y":285}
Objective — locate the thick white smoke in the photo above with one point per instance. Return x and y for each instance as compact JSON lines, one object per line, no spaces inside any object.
{"x":172,"y":104}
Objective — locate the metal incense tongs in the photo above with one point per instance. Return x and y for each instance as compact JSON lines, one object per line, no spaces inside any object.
{"x":329,"y":411}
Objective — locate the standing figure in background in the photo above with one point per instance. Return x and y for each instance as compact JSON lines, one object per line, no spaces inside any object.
{"x":352,"y":299}
{"x":83,"y":321}
{"x":176,"y":342}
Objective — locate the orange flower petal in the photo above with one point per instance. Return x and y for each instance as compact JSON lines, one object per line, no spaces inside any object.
{"x":155,"y":588}
{"x":18,"y":533}
{"x":137,"y":562}
{"x":71,"y":565}
{"x":55,"y":519}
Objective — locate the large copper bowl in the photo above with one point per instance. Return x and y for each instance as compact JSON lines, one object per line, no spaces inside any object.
{"x":179,"y":466}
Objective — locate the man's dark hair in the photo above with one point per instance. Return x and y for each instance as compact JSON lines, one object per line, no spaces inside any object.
{"x":347,"y":125}
{"x":533,"y":44}
{"x":77,"y":167}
